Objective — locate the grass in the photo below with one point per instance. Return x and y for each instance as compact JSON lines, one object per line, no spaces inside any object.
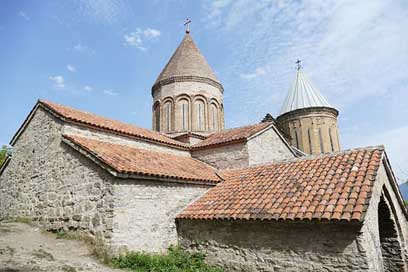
{"x":176,"y":260}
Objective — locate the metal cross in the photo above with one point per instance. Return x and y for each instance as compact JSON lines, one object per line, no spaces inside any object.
{"x":298,"y":64}
{"x":187,"y":24}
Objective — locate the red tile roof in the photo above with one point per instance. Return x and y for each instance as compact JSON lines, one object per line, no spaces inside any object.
{"x":129,"y":160}
{"x":98,"y":122}
{"x":335,"y":186}
{"x":232,"y":135}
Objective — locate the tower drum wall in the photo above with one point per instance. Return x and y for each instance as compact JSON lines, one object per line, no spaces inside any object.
{"x":188,"y":107}
{"x":312,"y":130}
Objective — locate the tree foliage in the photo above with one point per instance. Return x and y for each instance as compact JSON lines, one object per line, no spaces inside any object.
{"x":3,"y":154}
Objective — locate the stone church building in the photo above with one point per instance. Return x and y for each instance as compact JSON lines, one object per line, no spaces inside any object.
{"x":279,"y":195}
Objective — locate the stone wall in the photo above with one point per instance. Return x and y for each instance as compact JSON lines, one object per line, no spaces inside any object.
{"x":229,"y":156}
{"x":56,"y":186}
{"x":48,"y":181}
{"x":392,"y":232}
{"x":267,"y":147}
{"x":275,"y":246}
{"x":117,"y":139}
{"x":145,"y":213}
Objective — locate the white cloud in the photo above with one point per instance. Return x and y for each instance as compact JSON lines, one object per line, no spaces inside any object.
{"x":103,"y":11}
{"x":71,"y":68}
{"x":151,"y":33}
{"x":258,"y":72}
{"x":138,"y":37}
{"x":355,"y":52}
{"x":134,"y":39}
{"x":58,"y":82}
{"x":87,"y":88}
{"x":110,"y":93}
{"x":24,"y":15}
{"x":80,"y":48}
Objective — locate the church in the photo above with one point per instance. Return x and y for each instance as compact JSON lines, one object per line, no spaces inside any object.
{"x":278,"y":195}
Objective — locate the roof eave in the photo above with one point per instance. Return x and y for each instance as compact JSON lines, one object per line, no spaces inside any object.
{"x":129,"y":175}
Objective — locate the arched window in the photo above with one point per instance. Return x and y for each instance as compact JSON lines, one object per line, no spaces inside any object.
{"x":214,"y":117}
{"x":184,"y":114}
{"x":167,"y":109}
{"x":156,"y":117}
{"x":200,"y":114}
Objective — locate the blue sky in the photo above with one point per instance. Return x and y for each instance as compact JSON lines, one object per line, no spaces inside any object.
{"x":103,"y":56}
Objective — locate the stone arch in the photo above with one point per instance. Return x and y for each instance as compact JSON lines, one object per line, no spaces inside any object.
{"x":167,"y":113}
{"x":183,"y":113}
{"x":156,"y":116}
{"x":214,"y":115}
{"x":199,"y":113}
{"x":391,"y":248}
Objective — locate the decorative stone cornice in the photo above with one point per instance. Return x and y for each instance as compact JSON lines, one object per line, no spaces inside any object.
{"x":306,"y":111}
{"x":175,"y":79}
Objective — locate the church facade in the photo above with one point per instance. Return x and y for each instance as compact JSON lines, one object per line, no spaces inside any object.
{"x":279,"y":195}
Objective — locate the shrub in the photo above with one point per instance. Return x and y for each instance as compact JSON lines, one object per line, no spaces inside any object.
{"x":176,"y":260}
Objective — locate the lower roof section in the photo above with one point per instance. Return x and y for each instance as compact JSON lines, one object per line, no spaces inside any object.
{"x":126,"y":161}
{"x":335,"y":186}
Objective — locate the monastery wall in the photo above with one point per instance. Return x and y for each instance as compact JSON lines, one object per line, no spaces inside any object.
{"x":385,"y":235}
{"x":229,"y":156}
{"x":118,"y":139}
{"x":145,"y":211}
{"x":49,"y":182}
{"x":267,"y":147}
{"x":275,"y":246}
{"x":53,"y":184}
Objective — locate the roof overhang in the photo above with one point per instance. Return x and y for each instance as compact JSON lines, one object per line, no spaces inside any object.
{"x":132,"y":175}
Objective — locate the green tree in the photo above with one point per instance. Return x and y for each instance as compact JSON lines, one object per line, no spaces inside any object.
{"x":3,"y":154}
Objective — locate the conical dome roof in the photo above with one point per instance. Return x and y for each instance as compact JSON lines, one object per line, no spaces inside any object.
{"x":303,"y":95}
{"x":187,"y":63}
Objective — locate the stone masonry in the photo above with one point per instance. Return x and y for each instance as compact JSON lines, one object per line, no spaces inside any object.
{"x":56,"y":186}
{"x":49,"y":183}
{"x":275,"y":246}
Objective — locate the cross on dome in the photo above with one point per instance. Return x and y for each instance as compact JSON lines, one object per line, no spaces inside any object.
{"x":187,"y":25}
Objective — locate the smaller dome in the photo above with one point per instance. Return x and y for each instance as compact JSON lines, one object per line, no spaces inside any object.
{"x":303,"y":95}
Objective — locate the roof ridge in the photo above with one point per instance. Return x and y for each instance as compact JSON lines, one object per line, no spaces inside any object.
{"x":154,"y":136}
{"x":311,"y":157}
{"x":228,"y":137}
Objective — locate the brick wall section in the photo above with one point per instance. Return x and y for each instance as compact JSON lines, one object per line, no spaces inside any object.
{"x":319,"y":123}
{"x":275,"y":246}
{"x":145,"y":211}
{"x":229,"y":156}
{"x":267,"y":147}
{"x":49,"y":182}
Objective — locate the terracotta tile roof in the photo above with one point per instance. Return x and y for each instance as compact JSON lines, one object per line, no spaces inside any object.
{"x":231,"y":135}
{"x":99,"y":122}
{"x":336,"y":186}
{"x":128,"y":160}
